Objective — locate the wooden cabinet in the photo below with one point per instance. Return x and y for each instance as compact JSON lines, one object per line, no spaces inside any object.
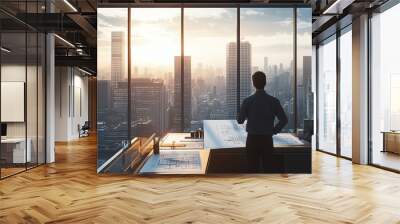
{"x":391,"y":142}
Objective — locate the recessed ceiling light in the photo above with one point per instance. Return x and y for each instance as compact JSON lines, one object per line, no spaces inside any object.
{"x":70,"y":5}
{"x":85,"y":72}
{"x":5,"y":50}
{"x":337,"y":7}
{"x":65,"y":41}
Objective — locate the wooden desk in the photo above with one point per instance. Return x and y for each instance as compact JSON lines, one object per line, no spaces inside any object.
{"x":391,"y":141}
{"x":223,"y":151}
{"x":227,"y":143}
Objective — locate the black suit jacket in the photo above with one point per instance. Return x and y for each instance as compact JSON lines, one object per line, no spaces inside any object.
{"x":260,"y":111}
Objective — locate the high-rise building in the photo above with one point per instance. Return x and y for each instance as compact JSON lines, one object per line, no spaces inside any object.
{"x":266,"y":70}
{"x":149,"y":108}
{"x":119,"y":89}
{"x":308,"y":95}
{"x":280,"y":71}
{"x":275,"y":70}
{"x":231,"y":75}
{"x":187,"y":94}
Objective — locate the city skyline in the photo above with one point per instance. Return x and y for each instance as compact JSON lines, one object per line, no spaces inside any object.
{"x":156,"y":39}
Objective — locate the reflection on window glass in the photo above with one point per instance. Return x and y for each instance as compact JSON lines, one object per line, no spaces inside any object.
{"x":346,"y":93}
{"x":305,"y":100}
{"x":112,"y":82}
{"x":327,"y":96}
{"x":385,"y":87}
{"x":210,"y":35}
{"x":155,"y":46}
{"x":267,"y":45}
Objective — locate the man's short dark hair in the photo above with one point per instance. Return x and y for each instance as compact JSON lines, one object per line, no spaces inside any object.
{"x":259,"y":80}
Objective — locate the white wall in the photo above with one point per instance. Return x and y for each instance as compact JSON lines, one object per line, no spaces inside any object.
{"x":71,"y":103}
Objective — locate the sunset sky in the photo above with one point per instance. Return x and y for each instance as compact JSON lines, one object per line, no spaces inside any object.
{"x":156,"y":35}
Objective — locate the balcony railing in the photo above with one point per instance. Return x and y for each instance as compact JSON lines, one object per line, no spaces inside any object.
{"x":130,"y":158}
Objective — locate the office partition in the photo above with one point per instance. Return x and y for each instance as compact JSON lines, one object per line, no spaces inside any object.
{"x":22,"y":77}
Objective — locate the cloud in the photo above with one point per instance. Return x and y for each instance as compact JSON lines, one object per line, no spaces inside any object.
{"x":112,"y":19}
{"x":304,"y":25}
{"x":251,"y":12}
{"x":155,"y":14}
{"x":213,"y":13}
{"x":257,"y":41}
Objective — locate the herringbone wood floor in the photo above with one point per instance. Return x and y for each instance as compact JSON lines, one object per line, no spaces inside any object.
{"x":70,"y":191}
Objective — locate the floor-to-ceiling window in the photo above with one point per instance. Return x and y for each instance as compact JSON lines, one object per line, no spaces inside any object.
{"x":167,"y":69}
{"x":155,"y":80}
{"x":385,"y":89}
{"x":213,"y":71}
{"x":334,"y":92}
{"x":345,"y":60}
{"x":305,"y":97}
{"x":267,"y":45}
{"x":112,"y":81}
{"x":327,"y":91}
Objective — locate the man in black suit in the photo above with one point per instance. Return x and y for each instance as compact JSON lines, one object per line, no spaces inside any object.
{"x":260,"y":110}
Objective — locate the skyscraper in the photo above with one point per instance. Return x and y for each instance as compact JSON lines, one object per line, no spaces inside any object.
{"x":309,"y":98}
{"x":119,"y":87}
{"x":231,"y":75}
{"x":275,"y":70}
{"x":149,"y":102}
{"x":187,"y":94}
{"x":266,"y":71}
{"x":280,"y":68}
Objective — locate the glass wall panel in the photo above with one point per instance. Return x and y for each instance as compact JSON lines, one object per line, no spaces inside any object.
{"x":31,"y":98}
{"x":14,"y":153}
{"x":346,"y":92}
{"x":22,"y":90}
{"x":155,"y":81}
{"x":385,"y":89}
{"x":112,"y":91}
{"x":210,"y":48}
{"x":41,"y":98}
{"x":327,"y":95}
{"x":305,"y":98}
{"x":267,"y":45}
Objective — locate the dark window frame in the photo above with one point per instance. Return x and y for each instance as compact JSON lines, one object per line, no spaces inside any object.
{"x":239,"y":6}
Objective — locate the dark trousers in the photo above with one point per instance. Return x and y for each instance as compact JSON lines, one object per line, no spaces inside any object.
{"x":259,"y":150}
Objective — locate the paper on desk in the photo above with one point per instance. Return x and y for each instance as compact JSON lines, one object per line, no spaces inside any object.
{"x":220,"y":134}
{"x":174,"y":162}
